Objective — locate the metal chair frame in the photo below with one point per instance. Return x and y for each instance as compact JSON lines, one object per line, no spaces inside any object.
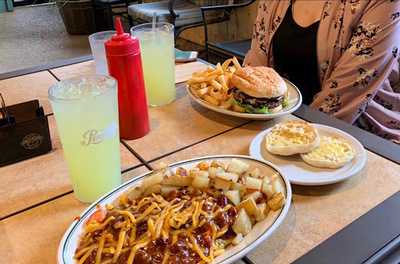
{"x":180,"y":29}
{"x":228,"y":9}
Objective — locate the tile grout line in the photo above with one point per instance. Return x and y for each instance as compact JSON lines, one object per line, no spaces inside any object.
{"x":35,"y":205}
{"x":140,"y":158}
{"x":52,"y":74}
{"x":56,"y":197}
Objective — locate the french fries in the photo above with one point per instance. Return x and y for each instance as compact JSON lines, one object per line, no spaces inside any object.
{"x":213,"y":84}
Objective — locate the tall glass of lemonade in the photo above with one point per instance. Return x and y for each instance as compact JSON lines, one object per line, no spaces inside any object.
{"x":158,"y":58}
{"x":86,"y":112}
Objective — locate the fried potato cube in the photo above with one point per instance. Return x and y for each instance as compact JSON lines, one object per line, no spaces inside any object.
{"x":274,"y":176}
{"x":203,"y":165}
{"x":253,"y":183}
{"x":181,"y":171}
{"x":238,"y":238}
{"x":277,"y":186}
{"x":153,"y":179}
{"x":255,"y":173}
{"x":199,"y":173}
{"x":193,"y":171}
{"x":238,"y":186}
{"x":242,"y":223}
{"x":254,"y":195}
{"x":228,"y":176}
{"x":200,"y":182}
{"x":266,"y":180}
{"x":165,"y":189}
{"x":249,"y":205}
{"x":177,"y":180}
{"x":261,"y":212}
{"x":222,"y":184}
{"x":237,"y":166}
{"x":212,"y":171}
{"x":204,"y":174}
{"x":277,"y":201}
{"x":233,"y":196}
{"x":153,"y":189}
{"x":135,"y":193}
{"x":216,"y":164}
{"x":267,"y":188}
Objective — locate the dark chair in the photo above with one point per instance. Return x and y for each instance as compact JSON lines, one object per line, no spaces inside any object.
{"x":225,"y":49}
{"x":105,"y":8}
{"x":183,"y":14}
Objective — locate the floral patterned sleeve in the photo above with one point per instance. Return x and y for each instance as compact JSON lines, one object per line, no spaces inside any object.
{"x":365,"y":63}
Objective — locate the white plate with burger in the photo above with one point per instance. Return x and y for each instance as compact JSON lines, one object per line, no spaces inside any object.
{"x":257,"y":93}
{"x":310,"y":154}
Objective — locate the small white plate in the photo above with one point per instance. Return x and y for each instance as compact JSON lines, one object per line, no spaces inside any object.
{"x":259,"y":233}
{"x":300,"y":172}
{"x":294,"y":102}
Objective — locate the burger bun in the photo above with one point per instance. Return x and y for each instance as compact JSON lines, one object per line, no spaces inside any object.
{"x":259,"y":82}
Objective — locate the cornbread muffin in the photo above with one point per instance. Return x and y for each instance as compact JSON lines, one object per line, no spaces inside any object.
{"x":292,"y":137}
{"x":332,"y":152}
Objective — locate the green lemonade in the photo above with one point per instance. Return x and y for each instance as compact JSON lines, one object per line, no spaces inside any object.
{"x":88,"y":128}
{"x":158,"y":58}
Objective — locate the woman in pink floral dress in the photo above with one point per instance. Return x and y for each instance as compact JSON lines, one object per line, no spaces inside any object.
{"x":355,"y":50}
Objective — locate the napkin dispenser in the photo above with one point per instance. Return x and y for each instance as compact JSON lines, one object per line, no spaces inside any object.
{"x":24,"y":132}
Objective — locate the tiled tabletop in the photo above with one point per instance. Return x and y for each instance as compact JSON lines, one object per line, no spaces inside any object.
{"x":37,"y":205}
{"x":28,"y":87}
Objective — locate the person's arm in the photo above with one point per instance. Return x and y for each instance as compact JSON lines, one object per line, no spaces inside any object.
{"x":257,"y":56}
{"x":366,"y":63}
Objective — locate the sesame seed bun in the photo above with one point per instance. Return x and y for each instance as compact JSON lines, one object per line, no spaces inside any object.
{"x":259,"y":82}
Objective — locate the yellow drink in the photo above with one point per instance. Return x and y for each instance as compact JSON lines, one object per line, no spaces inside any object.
{"x":86,"y":111}
{"x":158,"y":59}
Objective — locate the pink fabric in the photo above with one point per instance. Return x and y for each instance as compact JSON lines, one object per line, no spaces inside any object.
{"x":358,"y":48}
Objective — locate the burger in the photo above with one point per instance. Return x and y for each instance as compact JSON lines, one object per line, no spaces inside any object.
{"x":258,"y":90}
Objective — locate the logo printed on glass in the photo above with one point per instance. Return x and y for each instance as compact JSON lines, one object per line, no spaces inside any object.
{"x":93,"y":136}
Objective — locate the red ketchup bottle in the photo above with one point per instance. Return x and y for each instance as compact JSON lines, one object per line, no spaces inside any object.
{"x":125,"y":65}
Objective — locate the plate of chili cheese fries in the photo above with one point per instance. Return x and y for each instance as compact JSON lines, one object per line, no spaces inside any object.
{"x":212,"y":209}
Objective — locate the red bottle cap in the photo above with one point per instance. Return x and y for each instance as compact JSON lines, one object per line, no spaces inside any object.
{"x":122,"y":43}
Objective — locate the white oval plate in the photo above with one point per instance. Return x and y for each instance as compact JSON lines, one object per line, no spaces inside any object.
{"x":260,"y":232}
{"x":300,"y":172}
{"x":294,"y":102}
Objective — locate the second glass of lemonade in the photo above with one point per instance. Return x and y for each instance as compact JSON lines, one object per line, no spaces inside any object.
{"x":86,"y":112}
{"x":158,"y":58}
